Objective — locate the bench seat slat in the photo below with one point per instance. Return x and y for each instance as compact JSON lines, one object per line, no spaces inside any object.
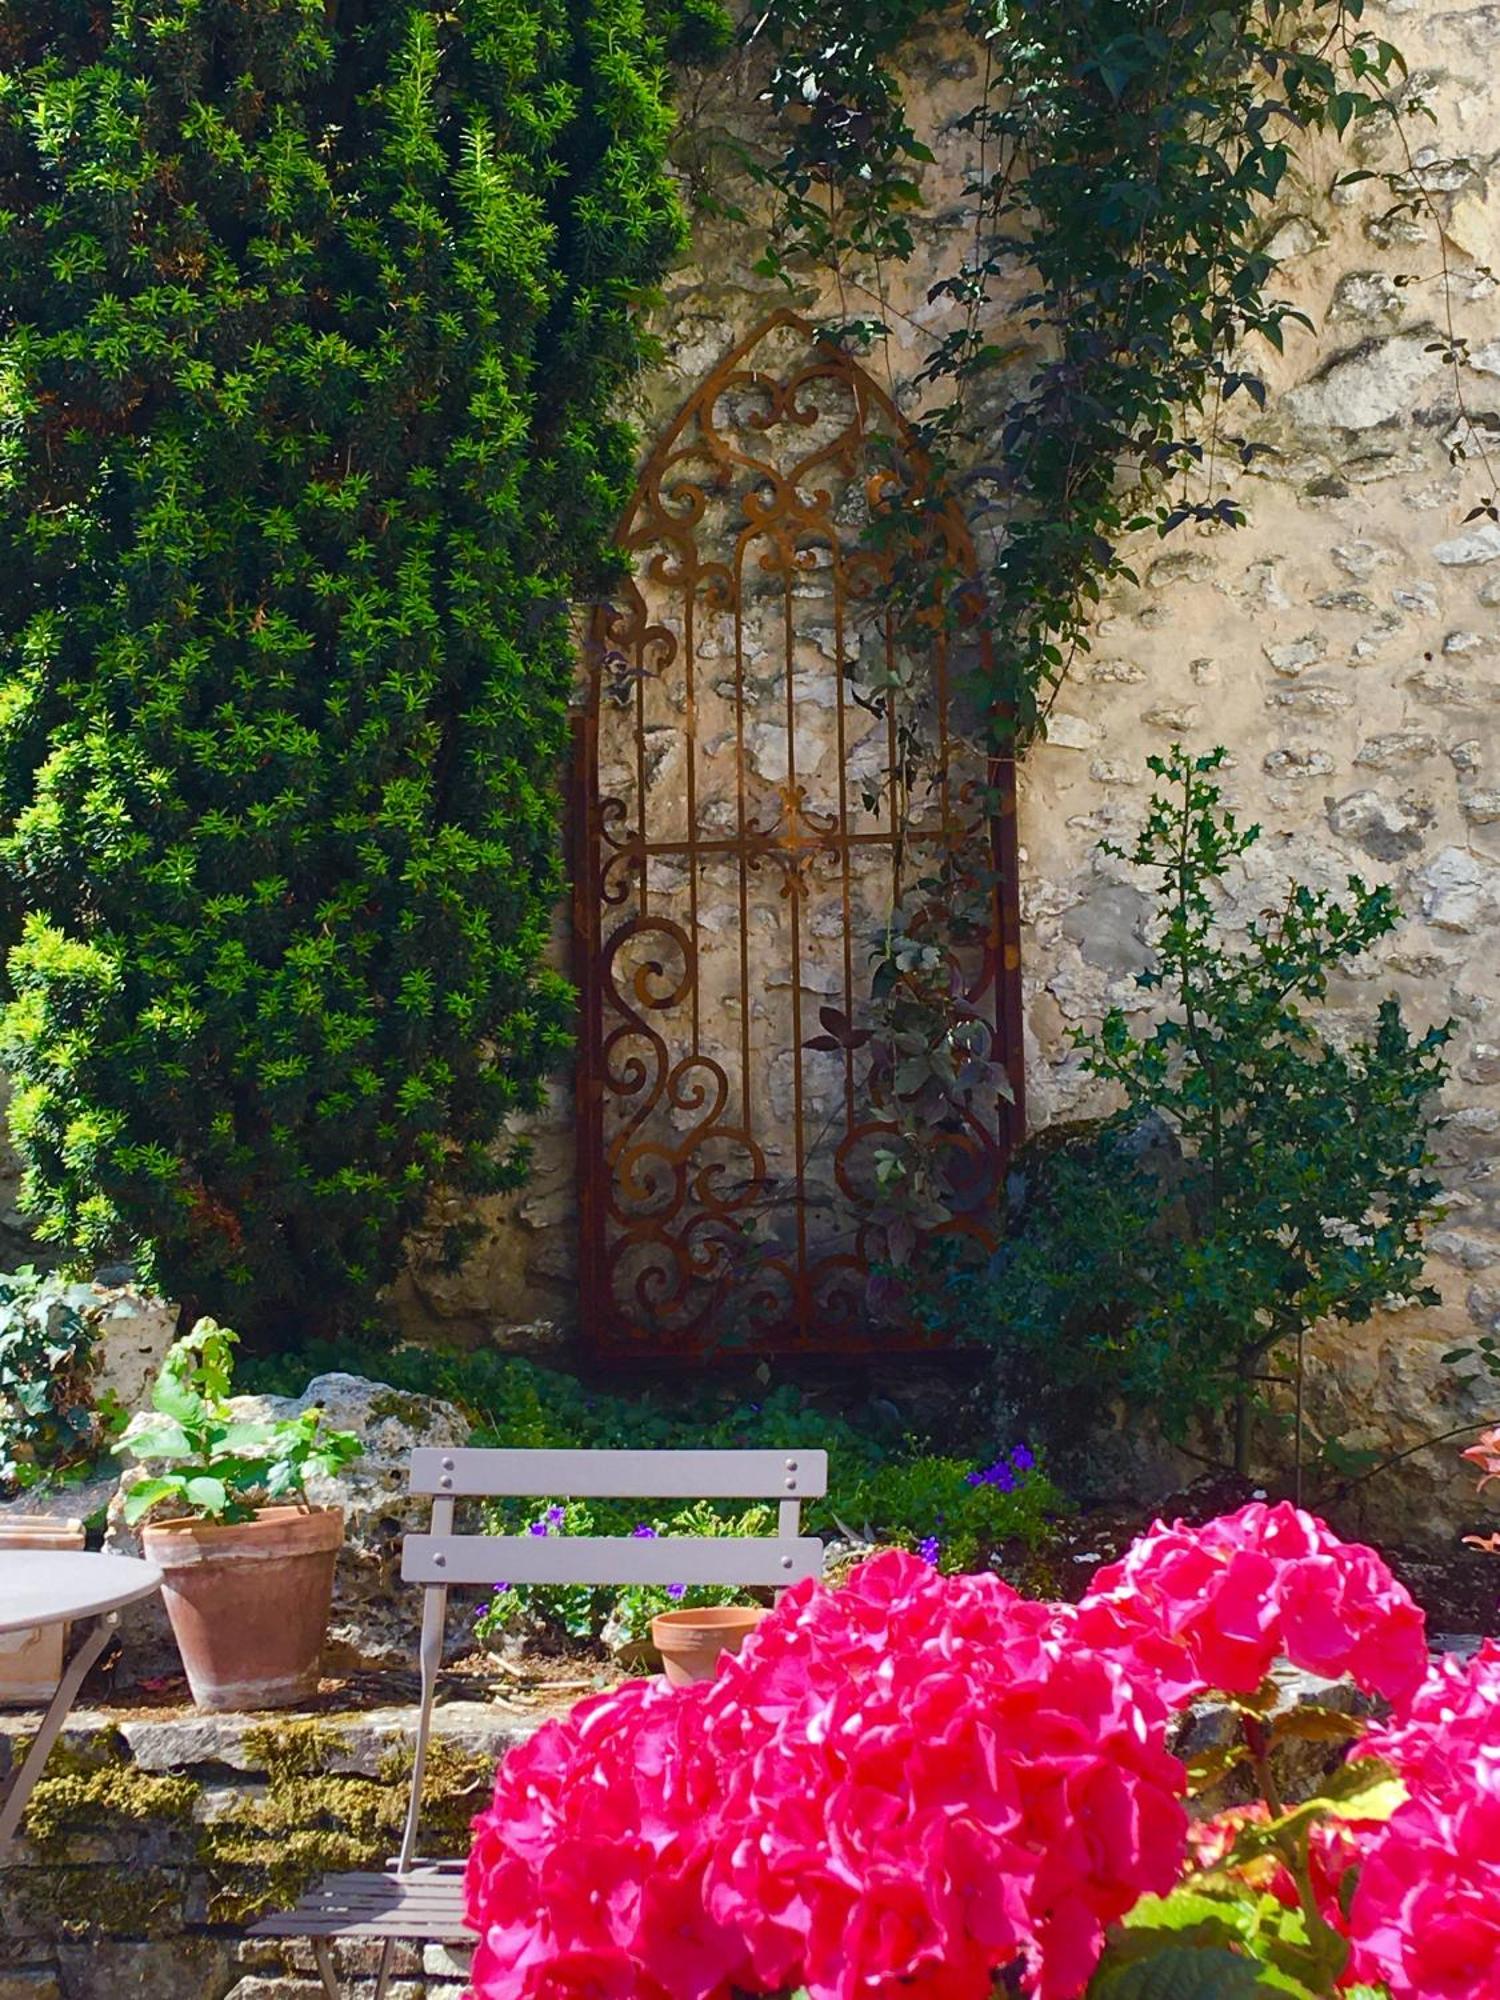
{"x":622,"y":1475}
{"x":600,"y":1559}
{"x":426,"y":1903}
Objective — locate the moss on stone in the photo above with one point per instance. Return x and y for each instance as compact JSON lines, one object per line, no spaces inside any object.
{"x":310,"y":1821}
{"x":105,"y":1800}
{"x":259,"y":1855}
{"x":298,"y":1747}
{"x":413,"y":1411}
{"x":146,"y":1815}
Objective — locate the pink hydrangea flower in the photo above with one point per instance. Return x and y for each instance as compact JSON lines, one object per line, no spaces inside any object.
{"x":1425,"y":1918}
{"x":896,"y":1788}
{"x":1192,"y":1609}
{"x":1425,"y":1915}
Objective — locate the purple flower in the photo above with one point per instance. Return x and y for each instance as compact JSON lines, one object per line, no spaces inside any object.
{"x":930,"y":1549}
{"x":1023,"y":1458}
{"x":501,"y":1588}
{"x":554,"y":1517}
{"x":676,"y":1589}
{"x":998,"y":1475}
{"x":643,"y":1532}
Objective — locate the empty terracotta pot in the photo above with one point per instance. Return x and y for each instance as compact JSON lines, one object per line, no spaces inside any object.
{"x":31,"y":1663}
{"x":249,"y":1602}
{"x":690,"y":1642}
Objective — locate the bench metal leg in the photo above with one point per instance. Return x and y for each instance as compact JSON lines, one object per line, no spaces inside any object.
{"x":73,"y":1678}
{"x":383,"y":1976}
{"x":323,"y":1954}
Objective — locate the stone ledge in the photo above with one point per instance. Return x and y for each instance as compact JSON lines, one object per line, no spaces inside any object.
{"x":356,"y":1743}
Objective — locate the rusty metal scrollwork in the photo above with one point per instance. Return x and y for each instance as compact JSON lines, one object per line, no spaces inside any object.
{"x":738,"y":841}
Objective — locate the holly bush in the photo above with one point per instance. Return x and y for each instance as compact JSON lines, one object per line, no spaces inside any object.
{"x":291,"y":514}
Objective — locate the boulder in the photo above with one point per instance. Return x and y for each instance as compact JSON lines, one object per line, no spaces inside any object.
{"x":376,"y":1617}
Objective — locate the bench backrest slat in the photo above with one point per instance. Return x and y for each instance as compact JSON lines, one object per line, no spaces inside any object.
{"x":444,"y":1559}
{"x":621,"y":1475}
{"x":766,"y":1560}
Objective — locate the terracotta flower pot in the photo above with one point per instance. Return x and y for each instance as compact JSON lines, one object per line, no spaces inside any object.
{"x":31,"y":1663}
{"x":690,"y":1642}
{"x":249,"y":1602}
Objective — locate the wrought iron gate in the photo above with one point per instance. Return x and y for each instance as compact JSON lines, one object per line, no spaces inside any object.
{"x":738,"y":843}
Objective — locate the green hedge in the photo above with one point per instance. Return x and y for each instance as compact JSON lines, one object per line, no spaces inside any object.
{"x":311,"y":318}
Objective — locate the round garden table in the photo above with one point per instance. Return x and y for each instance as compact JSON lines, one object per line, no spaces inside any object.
{"x":63,"y":1587}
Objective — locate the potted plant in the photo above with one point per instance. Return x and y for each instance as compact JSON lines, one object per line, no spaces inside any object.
{"x":248,"y":1563}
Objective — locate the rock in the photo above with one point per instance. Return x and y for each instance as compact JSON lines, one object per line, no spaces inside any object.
{"x":1301,"y":1765}
{"x":1290,"y":660}
{"x":1312,"y":699}
{"x":357,"y":1744}
{"x":1298,"y":763}
{"x":135,"y":1332}
{"x":376,"y":1617}
{"x":85,"y":1500}
{"x":1420,"y":599}
{"x":1108,"y":927}
{"x":1181,"y":566}
{"x":1480,"y":545}
{"x":1361,"y":559}
{"x":1459,"y":892}
{"x":1400,"y":748}
{"x":1071,"y":732}
{"x":1367,"y":296}
{"x":1375,"y":383}
{"x":1461,"y":1246}
{"x":1298,"y":236}
{"x":1481,"y":808}
{"x":174,"y":1968}
{"x":1384,"y":828}
{"x":1481,"y":1064}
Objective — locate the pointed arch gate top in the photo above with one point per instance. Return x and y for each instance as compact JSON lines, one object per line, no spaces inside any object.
{"x":739,"y":843}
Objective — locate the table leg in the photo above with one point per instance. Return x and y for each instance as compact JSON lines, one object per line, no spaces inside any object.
{"x":52,"y":1722}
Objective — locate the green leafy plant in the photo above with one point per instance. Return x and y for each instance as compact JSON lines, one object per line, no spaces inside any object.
{"x":1250,"y":1909}
{"x":313,"y":325}
{"x":1305,"y":1184}
{"x":51,"y":1422}
{"x":953,"y":1510}
{"x":618,"y":1615}
{"x":219,"y":1466}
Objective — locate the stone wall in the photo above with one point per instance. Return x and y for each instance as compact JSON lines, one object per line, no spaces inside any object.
{"x":1345,"y":646}
{"x":154,"y":1839}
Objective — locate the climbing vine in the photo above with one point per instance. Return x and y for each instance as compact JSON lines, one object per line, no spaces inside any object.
{"x":1109,"y":283}
{"x":311,"y":323}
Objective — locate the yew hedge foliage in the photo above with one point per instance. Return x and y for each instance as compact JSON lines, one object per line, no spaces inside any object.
{"x":310,"y":316}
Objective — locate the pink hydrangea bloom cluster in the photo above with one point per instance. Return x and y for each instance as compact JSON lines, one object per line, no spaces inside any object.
{"x":905,"y":1784}
{"x":898,"y":1786}
{"x":1425,"y":1916}
{"x":1191,"y":1609}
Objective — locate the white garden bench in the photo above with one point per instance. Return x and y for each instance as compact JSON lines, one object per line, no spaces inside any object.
{"x":421,"y":1901}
